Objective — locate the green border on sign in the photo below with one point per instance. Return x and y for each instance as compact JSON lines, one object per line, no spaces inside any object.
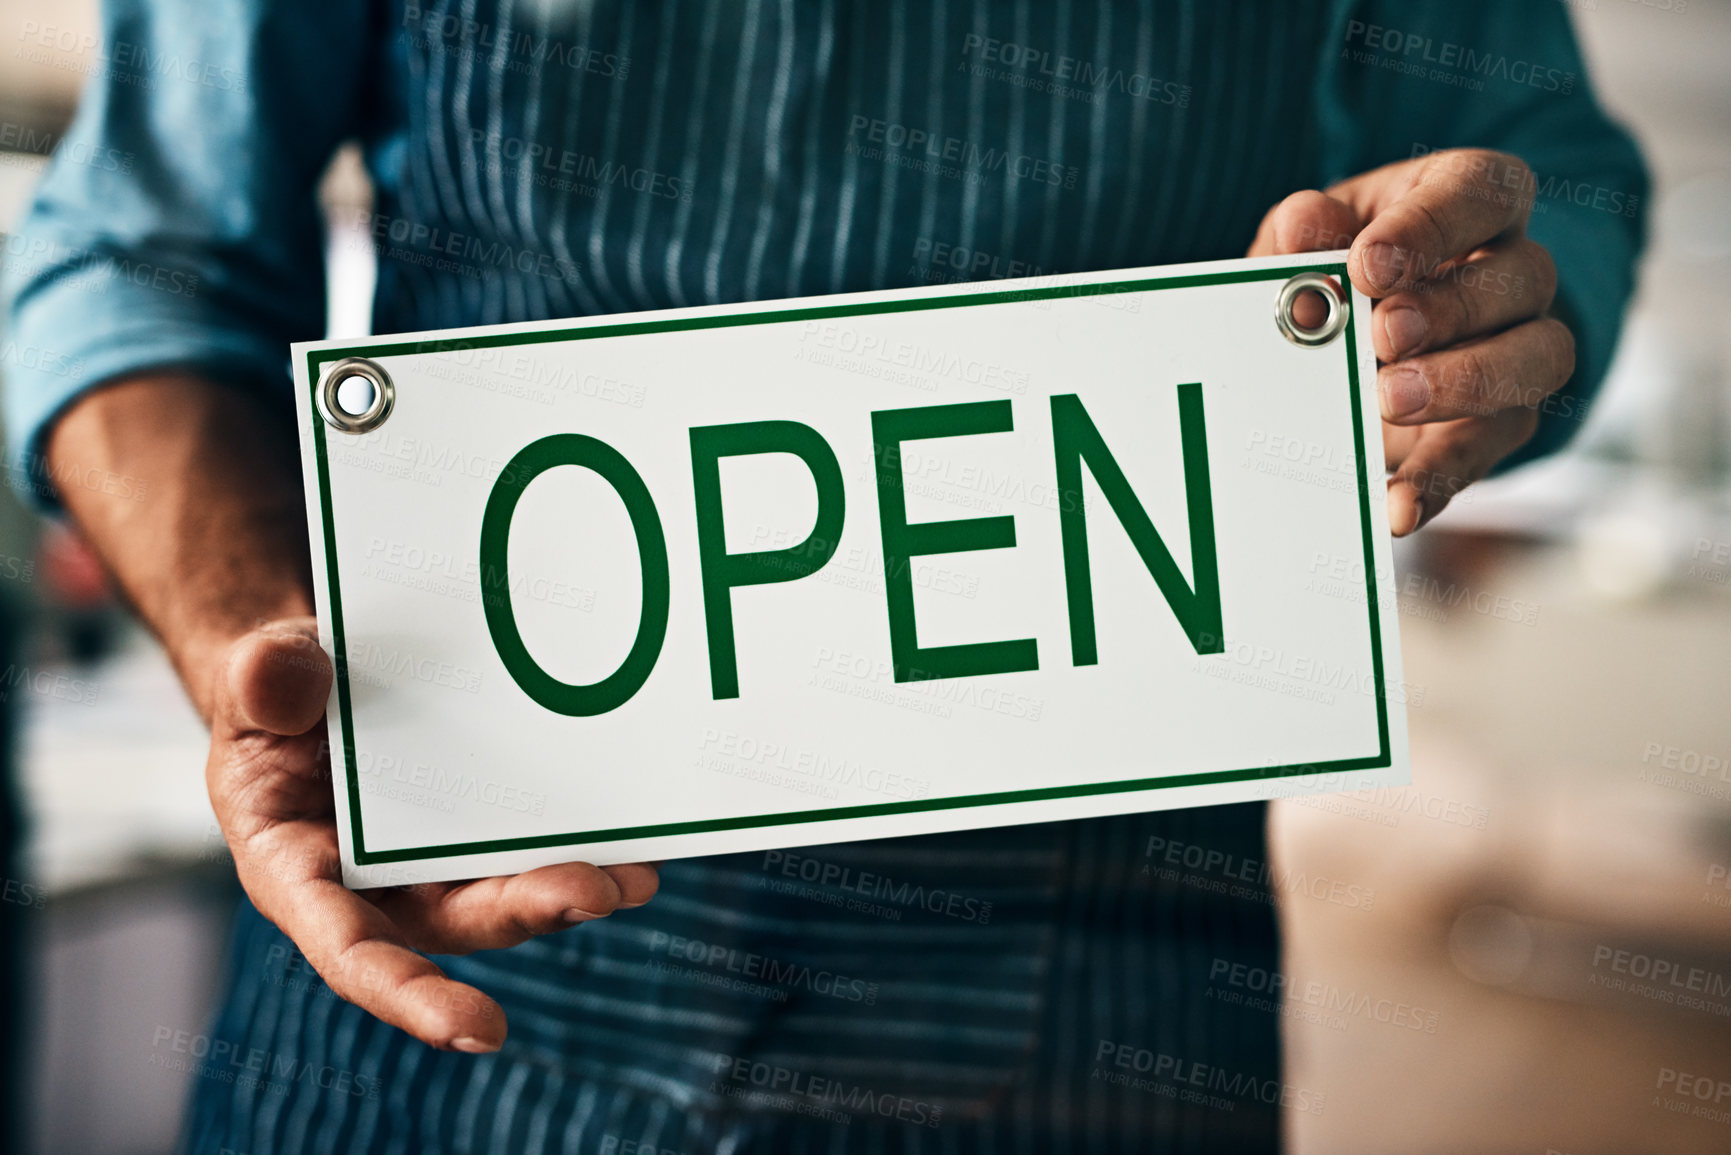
{"x":364,"y":857}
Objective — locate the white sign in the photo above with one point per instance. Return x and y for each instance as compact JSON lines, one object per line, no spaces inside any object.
{"x":739,"y":577}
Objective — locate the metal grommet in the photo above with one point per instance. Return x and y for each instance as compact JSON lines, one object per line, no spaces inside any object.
{"x":340,"y":392}
{"x":1339,"y":309}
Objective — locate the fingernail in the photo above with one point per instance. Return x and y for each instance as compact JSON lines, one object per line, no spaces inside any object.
{"x":1405,"y":328}
{"x":470,"y":1045}
{"x":1417,"y":514}
{"x":1383,"y":264}
{"x":1404,"y":392}
{"x":573,"y":914}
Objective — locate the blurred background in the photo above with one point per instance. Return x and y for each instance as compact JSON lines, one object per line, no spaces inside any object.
{"x":1546,"y":964}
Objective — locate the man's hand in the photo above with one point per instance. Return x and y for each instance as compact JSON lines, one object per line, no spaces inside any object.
{"x":1468,"y":351}
{"x":216,"y":545}
{"x":270,"y":783}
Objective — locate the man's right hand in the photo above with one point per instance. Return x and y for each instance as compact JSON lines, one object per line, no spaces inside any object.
{"x":190,"y":491}
{"x":270,"y":783}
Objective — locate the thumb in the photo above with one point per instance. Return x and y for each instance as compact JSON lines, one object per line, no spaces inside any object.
{"x":1306,"y":222}
{"x":277,"y":680}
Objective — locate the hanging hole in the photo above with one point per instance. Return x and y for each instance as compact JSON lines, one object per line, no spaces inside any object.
{"x":1311,"y":309}
{"x":355,"y":395}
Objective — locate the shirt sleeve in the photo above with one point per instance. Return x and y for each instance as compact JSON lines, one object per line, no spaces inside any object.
{"x":177,"y":222}
{"x":1409,"y":78}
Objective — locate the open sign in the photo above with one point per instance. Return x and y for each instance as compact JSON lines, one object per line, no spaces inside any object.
{"x":853,"y":566}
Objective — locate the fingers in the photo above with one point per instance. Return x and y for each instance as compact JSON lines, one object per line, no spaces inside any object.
{"x":290,"y":871}
{"x":269,"y":784}
{"x":637,"y":882}
{"x":1486,"y":293}
{"x":494,"y":913}
{"x":1305,"y":222}
{"x":277,"y":680}
{"x":1441,"y":207}
{"x":1397,"y":442}
{"x":1445,"y":458}
{"x":1459,"y":323}
{"x":1517,"y":368}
